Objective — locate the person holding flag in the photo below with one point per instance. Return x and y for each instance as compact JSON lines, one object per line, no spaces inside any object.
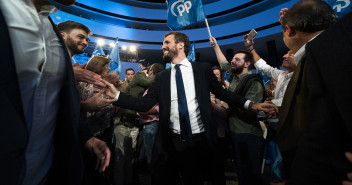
{"x":183,"y":13}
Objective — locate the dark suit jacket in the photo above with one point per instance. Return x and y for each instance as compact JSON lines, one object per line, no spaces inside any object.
{"x":292,"y":113}
{"x":205,"y":82}
{"x":136,"y":88}
{"x":14,"y":133}
{"x":320,"y":155}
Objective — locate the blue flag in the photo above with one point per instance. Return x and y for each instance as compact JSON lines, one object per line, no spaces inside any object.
{"x":183,"y":13}
{"x":192,"y":53}
{"x":168,"y":65}
{"x":98,"y":51}
{"x":81,"y":58}
{"x":115,"y":64}
{"x":341,"y":7}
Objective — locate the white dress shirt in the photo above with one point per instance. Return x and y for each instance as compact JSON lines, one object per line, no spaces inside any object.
{"x":40,"y":70}
{"x":192,"y":103}
{"x":299,"y":54}
{"x":282,"y":77}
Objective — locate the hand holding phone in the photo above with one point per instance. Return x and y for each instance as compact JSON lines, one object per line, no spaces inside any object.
{"x":251,"y":34}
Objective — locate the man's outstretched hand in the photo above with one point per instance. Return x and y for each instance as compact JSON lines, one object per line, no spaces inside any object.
{"x":96,"y":102}
{"x":110,"y":89}
{"x":84,"y":75}
{"x":269,"y":108}
{"x":101,"y":150}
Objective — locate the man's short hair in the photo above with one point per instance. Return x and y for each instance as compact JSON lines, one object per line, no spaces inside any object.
{"x":157,"y":68}
{"x":129,"y":69}
{"x":248,"y":56}
{"x":309,"y":16}
{"x":68,"y":26}
{"x":181,"y":37}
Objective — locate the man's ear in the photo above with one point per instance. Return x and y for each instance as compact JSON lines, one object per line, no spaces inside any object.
{"x":63,"y":34}
{"x":181,"y":45}
{"x":247,"y":64}
{"x":290,"y":32}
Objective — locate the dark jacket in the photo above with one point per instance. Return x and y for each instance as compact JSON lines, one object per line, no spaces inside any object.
{"x":67,"y":166}
{"x":320,"y":155}
{"x":160,"y":91}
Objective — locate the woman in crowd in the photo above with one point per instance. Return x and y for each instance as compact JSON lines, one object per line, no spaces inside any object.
{"x":98,"y":121}
{"x":220,"y":76}
{"x":220,"y":117}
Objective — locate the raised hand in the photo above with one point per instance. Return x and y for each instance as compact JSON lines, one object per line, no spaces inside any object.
{"x":282,"y":14}
{"x":248,"y":42}
{"x":213,"y":41}
{"x":84,"y":75}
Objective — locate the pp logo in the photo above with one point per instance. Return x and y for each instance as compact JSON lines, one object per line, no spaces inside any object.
{"x":181,"y":6}
{"x":340,"y":6}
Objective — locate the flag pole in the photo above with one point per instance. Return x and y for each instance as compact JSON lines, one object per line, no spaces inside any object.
{"x":206,"y":22}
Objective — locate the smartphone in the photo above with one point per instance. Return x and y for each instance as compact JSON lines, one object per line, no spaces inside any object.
{"x":251,"y":34}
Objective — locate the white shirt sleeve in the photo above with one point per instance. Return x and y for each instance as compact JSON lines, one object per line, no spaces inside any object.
{"x":247,"y":104}
{"x":266,"y":69}
{"x":117,"y":96}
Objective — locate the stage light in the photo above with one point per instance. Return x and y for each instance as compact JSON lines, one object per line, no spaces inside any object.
{"x":100,"y":42}
{"x":112,"y":44}
{"x":124,"y":48}
{"x":133,"y":49}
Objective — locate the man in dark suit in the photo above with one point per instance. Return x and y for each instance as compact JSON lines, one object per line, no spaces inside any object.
{"x":320,"y":155}
{"x":185,"y":131}
{"x":40,"y":108}
{"x":302,"y":23}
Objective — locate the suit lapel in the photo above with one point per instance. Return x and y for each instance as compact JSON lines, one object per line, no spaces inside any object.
{"x":197,"y":79}
{"x":167,"y":88}
{"x":291,"y":92}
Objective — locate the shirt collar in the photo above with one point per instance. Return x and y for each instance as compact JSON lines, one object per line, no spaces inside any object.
{"x":184,"y":62}
{"x":47,"y":9}
{"x":299,"y":54}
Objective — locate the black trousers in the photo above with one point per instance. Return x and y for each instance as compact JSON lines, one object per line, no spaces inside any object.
{"x":186,"y":162}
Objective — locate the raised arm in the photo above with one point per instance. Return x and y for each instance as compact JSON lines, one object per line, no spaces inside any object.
{"x":249,"y":43}
{"x":259,"y":63}
{"x":219,"y":55}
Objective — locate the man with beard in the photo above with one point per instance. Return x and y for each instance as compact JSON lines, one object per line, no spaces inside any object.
{"x":40,"y":111}
{"x":245,"y":130}
{"x":185,"y":132}
{"x":76,"y":37}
